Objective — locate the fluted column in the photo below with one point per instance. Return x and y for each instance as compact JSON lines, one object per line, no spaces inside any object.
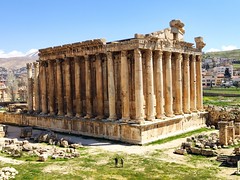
{"x":186,"y":84}
{"x":199,"y":83}
{"x":68,"y":85}
{"x":78,"y":98}
{"x":159,"y":84}
{"x":30,"y":88}
{"x":99,"y":86}
{"x":178,"y":84}
{"x":150,"y":88}
{"x":60,"y":101}
{"x":88,"y":87}
{"x":51,"y":87}
{"x":138,"y":86}
{"x":111,"y":88}
{"x":36,"y":87}
{"x":44,"y":88}
{"x":168,"y":88}
{"x":125,"y":86}
{"x":193,"y":84}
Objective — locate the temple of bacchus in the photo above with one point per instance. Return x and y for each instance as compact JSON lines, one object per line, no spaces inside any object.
{"x":135,"y":90}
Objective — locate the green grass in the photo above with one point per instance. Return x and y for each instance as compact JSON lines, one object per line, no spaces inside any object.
{"x":161,"y":141}
{"x":236,"y":66}
{"x":221,"y":101}
{"x":100,"y":165}
{"x":232,"y":90}
{"x":233,"y":54}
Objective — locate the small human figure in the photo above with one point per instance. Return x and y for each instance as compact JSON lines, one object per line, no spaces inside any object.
{"x":121,"y":162}
{"x":116,"y":161}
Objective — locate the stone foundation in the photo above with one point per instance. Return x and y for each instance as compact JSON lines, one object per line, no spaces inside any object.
{"x":125,"y":132}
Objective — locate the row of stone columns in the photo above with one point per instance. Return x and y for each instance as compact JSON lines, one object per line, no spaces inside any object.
{"x":159,"y":92}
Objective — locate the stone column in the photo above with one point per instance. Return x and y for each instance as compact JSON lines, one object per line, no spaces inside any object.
{"x":186,"y":84}
{"x":30,"y":88}
{"x":178,"y":83}
{"x":199,"y":83}
{"x":111,"y":88}
{"x":44,"y":88}
{"x":99,"y":86}
{"x":150,"y":88}
{"x":168,"y":88}
{"x":193,"y":84}
{"x":36,"y":87}
{"x":88,"y":87}
{"x":68,"y":85}
{"x":78,"y":87}
{"x":51,"y":88}
{"x":60,"y":87}
{"x":159,"y":85}
{"x":138,"y":86}
{"x":125,"y":86}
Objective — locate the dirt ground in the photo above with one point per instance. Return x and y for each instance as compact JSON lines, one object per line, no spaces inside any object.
{"x":94,"y":145}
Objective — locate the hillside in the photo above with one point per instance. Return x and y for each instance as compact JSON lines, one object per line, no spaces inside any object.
{"x":17,"y":62}
{"x":233,"y":54}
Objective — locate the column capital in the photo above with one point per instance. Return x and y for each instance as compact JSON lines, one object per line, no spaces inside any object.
{"x":168,"y":54}
{"x":58,"y":61}
{"x":198,"y":58}
{"x":186,"y":56}
{"x":159,"y":52}
{"x":137,"y":53}
{"x":124,"y":53}
{"x":29,"y":65}
{"x":35,"y":64}
{"x":43,"y":63}
{"x":109,"y":54}
{"x":193,"y":57}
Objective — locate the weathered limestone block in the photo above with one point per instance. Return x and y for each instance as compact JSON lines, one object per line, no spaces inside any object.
{"x":43,"y":157}
{"x":195,"y":150}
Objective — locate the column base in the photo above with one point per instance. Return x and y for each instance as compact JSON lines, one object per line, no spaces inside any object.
{"x":161,"y":116}
{"x":187,"y":112}
{"x":88,"y":116}
{"x":61,"y":114}
{"x":170,"y":115}
{"x":69,"y":115}
{"x":137,"y":121}
{"x":52,"y":114}
{"x":100,"y":117}
{"x":150,"y":118}
{"x":124,"y":119}
{"x":78,"y":115}
{"x":178,"y":113}
{"x":112,"y":118}
{"x":194,"y":110}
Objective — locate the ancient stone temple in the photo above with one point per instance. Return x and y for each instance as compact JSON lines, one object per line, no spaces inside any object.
{"x":135,"y":90}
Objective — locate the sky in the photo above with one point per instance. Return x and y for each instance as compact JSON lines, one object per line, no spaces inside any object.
{"x":27,"y":25}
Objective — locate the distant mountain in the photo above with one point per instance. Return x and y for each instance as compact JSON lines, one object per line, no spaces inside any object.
{"x":233,"y":54}
{"x":18,"y":62}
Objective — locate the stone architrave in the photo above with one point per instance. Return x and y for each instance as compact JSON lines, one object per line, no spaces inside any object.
{"x":159,"y":85}
{"x":168,"y":88}
{"x":186,"y":84}
{"x":68,"y":85}
{"x":150,"y":87}
{"x":199,"y":83}
{"x":111,"y":88}
{"x":138,"y":86}
{"x":78,"y":98}
{"x":36,"y":87}
{"x":30,"y":88}
{"x":88,"y":88}
{"x":44,"y":101}
{"x":60,"y":87}
{"x":193,"y":84}
{"x":125,"y":87}
{"x":51,"y":87}
{"x":178,"y":84}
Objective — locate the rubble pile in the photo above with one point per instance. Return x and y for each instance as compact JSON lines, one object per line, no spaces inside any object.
{"x":216,"y":114}
{"x":201,"y":144}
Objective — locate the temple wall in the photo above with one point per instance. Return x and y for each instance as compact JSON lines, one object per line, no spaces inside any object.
{"x":130,"y":133}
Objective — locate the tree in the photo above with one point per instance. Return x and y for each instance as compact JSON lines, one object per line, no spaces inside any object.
{"x":12,"y":86}
{"x":227,"y":73}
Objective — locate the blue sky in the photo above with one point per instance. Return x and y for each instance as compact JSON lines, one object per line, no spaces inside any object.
{"x":36,"y":24}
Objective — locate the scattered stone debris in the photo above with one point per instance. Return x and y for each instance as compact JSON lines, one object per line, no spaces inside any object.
{"x":3,"y":130}
{"x":8,"y":173}
{"x":15,"y":147}
{"x":202,"y":144}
